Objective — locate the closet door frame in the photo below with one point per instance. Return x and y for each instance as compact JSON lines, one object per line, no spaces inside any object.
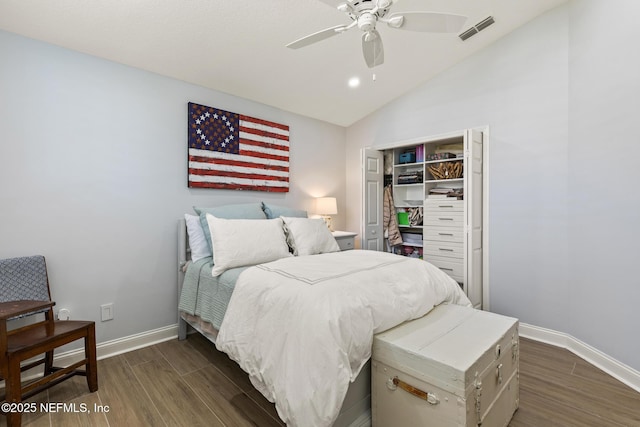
{"x":485,"y":191}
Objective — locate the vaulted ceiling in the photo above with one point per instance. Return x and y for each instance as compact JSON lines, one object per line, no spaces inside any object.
{"x":238,"y":46}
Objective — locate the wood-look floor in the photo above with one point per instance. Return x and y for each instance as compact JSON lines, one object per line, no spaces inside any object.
{"x":189,"y":383}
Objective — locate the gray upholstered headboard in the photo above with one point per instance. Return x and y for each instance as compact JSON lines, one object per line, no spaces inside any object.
{"x":183,"y":251}
{"x":183,"y":257}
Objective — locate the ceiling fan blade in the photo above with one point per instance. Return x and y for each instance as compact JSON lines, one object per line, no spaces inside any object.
{"x":316,"y":37}
{"x":372,"y":48}
{"x":333,"y":3}
{"x":431,"y":22}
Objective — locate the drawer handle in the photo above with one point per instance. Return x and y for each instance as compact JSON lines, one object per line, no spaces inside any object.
{"x":445,"y":234}
{"x":445,"y":219}
{"x":446,"y":249}
{"x":445,"y":206}
{"x":444,"y":268}
{"x":429,"y":397}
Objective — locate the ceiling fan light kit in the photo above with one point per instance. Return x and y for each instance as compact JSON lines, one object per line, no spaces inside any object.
{"x":396,"y":21}
{"x":365,"y":14}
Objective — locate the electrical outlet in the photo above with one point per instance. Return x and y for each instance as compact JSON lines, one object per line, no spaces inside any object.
{"x":106,"y":312}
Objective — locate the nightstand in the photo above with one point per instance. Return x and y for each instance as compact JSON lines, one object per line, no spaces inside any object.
{"x":345,"y":239}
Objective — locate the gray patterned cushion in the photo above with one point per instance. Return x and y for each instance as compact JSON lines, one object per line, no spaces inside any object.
{"x":23,"y":278}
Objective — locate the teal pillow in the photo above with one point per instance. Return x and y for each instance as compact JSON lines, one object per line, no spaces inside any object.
{"x":275,"y":211}
{"x":242,"y":211}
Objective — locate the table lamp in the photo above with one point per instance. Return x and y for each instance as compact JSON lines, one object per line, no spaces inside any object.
{"x":325,"y":207}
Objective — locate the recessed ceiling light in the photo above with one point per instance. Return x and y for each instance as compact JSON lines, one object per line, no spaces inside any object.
{"x":354,"y":82}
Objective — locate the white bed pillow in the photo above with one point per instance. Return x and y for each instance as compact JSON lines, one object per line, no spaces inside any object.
{"x":241,"y":242}
{"x":197,"y":241}
{"x":309,"y":236}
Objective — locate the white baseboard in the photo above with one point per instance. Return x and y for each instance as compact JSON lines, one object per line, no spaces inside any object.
{"x":608,"y":364}
{"x":121,"y":345}
{"x":616,"y":369}
{"x":108,"y":349}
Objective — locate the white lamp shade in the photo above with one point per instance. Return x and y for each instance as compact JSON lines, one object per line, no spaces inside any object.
{"x":326,"y":206}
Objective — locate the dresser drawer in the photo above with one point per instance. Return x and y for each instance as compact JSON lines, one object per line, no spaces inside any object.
{"x":345,"y":243}
{"x":444,"y":219}
{"x":443,"y":205}
{"x":444,"y":249}
{"x":444,"y":234}
{"x":345,"y":239}
{"x":452,"y":266}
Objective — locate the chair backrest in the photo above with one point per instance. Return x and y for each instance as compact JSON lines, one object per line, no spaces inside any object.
{"x":24,"y":278}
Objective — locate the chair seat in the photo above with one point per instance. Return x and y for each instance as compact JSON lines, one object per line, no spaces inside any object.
{"x":63,"y":331}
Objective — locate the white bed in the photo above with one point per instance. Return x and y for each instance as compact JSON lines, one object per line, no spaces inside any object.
{"x":307,"y":371}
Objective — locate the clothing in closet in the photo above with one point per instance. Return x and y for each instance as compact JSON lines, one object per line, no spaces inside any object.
{"x":390,"y":221}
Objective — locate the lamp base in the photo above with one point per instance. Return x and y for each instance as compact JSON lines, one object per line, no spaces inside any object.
{"x":327,"y":220}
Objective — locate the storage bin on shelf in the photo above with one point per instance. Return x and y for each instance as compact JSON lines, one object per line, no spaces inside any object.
{"x":408,"y":157}
{"x":412,"y":238}
{"x":403,"y":218}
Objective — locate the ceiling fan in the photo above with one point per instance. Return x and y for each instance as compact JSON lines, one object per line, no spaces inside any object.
{"x":365,"y":14}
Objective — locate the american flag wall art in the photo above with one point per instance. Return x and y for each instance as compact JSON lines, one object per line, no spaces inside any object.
{"x":237,"y":152}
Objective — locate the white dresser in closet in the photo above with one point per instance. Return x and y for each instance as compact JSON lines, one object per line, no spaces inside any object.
{"x":444,"y":235}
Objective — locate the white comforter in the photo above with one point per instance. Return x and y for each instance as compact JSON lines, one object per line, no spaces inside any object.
{"x":302,"y":327}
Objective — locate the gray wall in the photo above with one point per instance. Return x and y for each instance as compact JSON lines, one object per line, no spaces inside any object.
{"x":603,"y":197}
{"x":93,"y":174}
{"x":560,"y":96}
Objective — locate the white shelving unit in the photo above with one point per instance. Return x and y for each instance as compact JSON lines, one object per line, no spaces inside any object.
{"x":452,"y":227}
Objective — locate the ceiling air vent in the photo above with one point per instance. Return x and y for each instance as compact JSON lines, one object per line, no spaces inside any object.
{"x":477,"y":28}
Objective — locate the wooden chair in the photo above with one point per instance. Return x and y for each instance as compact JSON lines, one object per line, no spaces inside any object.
{"x":24,"y":291}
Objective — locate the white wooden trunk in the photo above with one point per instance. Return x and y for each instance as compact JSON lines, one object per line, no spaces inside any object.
{"x":464,"y":360}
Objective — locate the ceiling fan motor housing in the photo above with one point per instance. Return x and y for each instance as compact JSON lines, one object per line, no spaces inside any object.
{"x":367,"y":22}
{"x":357,"y":7}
